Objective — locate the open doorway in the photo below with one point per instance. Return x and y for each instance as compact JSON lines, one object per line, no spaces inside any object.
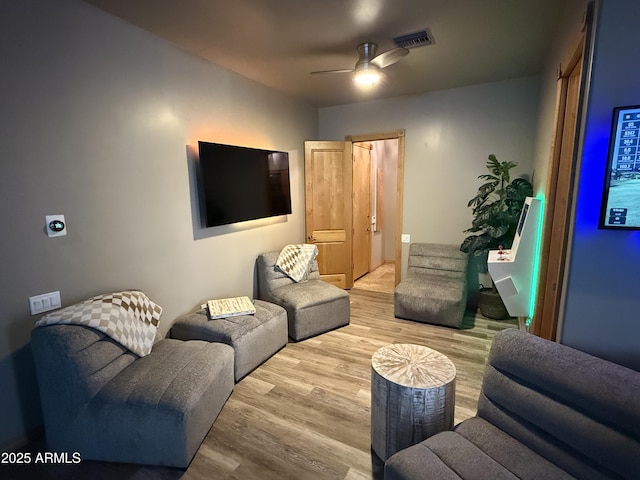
{"x":377,"y":210}
{"x":329,"y":205}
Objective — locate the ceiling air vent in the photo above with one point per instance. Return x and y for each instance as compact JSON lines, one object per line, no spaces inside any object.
{"x":414,"y":40}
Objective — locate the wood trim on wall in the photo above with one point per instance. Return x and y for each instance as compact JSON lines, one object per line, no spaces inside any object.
{"x":399,"y":206}
{"x":559,"y":194}
{"x":538,"y":323}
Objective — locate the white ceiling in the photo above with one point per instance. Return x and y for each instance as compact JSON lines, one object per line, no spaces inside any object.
{"x":278,"y":42}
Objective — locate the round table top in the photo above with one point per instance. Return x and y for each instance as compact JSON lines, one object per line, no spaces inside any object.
{"x":414,"y":366}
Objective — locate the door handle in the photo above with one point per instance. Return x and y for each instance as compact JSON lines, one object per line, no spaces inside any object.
{"x":311,"y":239}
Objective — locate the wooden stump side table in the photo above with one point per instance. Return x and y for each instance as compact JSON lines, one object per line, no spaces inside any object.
{"x":412,"y":396}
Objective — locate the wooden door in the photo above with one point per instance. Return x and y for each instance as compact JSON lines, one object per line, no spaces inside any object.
{"x":328,"y":194}
{"x":559,"y":195}
{"x":361,"y":209}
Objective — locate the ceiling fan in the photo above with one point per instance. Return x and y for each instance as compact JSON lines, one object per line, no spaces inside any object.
{"x":367,"y":71}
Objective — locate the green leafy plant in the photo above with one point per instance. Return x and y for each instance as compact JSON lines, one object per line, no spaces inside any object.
{"x":496,"y":209}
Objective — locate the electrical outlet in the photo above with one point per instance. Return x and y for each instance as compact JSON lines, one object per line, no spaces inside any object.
{"x":405,"y":238}
{"x":44,"y":302}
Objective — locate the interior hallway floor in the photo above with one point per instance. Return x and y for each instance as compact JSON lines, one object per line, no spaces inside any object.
{"x":382,"y":279}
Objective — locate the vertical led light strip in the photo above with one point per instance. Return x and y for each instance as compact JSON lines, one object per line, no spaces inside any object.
{"x":536,"y":263}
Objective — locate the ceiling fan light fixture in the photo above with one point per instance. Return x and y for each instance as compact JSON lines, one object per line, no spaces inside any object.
{"x":367,"y":76}
{"x":368,"y":70}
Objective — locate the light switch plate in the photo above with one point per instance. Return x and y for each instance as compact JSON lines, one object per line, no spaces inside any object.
{"x":44,"y":302}
{"x":406,"y":238}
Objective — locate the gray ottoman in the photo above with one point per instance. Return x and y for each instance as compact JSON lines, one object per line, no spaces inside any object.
{"x":254,"y":338}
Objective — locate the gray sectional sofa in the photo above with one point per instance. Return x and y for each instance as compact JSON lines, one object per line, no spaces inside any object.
{"x":546,"y":411}
{"x":435,"y":287}
{"x":105,"y":402}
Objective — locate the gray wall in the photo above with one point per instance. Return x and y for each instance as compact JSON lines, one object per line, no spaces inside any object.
{"x":602,"y":306}
{"x":96,"y":119}
{"x":563,"y":45}
{"x":448,"y":136}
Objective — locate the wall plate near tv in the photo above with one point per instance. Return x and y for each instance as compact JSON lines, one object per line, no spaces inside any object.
{"x":241,"y":183}
{"x":620,"y":207}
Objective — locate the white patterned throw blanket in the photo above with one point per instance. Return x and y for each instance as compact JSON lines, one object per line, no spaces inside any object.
{"x":128,"y":317}
{"x":296,"y":260}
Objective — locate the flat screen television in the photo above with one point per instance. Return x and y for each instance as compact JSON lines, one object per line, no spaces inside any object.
{"x":241,"y":183}
{"x":621,"y":194}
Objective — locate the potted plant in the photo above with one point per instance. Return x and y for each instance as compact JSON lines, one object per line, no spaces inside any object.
{"x":496,"y":210}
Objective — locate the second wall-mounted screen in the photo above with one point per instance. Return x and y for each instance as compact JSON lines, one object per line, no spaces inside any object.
{"x":621,"y":196}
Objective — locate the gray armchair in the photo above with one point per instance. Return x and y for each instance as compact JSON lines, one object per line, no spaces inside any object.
{"x":435,"y":288}
{"x":313,"y":306}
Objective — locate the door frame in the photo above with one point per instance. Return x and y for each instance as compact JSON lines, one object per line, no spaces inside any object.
{"x":559,"y":195}
{"x":390,"y":135}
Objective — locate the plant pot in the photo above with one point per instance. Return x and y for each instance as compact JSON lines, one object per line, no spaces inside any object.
{"x":491,"y":305}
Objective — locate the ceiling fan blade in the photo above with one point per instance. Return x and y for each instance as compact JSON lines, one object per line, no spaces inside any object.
{"x":347,"y":70}
{"x":390,"y":57}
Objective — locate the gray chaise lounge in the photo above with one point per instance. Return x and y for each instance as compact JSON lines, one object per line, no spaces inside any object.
{"x":546,"y":411}
{"x":435,"y":287}
{"x":313,"y":306}
{"x":106,"y":403}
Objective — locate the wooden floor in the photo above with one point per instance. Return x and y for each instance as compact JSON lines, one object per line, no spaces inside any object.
{"x":381,"y":279}
{"x":304,"y":414}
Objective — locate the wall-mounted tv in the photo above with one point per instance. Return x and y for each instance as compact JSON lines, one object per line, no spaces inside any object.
{"x":241,"y":183}
{"x":621,"y":195}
